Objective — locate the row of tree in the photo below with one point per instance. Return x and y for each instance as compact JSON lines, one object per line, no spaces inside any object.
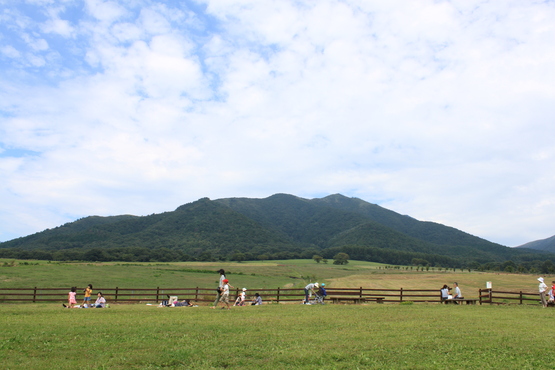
{"x":338,"y":255}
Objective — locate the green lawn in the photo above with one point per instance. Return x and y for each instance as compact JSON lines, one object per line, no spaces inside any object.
{"x":419,"y":336}
{"x":264,"y":274}
{"x":273,"y":336}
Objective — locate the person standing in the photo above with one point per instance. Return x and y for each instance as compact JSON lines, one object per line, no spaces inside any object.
{"x":87,"y":298}
{"x":543,"y":289}
{"x":220,"y":288}
{"x":308,"y":290}
{"x":71,"y":300}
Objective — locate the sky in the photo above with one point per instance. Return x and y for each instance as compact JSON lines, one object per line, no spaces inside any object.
{"x":441,"y":110}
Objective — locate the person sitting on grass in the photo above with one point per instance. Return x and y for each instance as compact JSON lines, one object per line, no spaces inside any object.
{"x":100,"y":301}
{"x":257,"y":300}
{"x":240,"y":301}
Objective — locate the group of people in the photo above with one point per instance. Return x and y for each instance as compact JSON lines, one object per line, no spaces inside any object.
{"x":446,"y":292}
{"x":222,"y":294}
{"x":318,"y":290}
{"x":72,"y":299}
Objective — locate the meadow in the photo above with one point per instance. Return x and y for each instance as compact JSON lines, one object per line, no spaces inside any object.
{"x":272,"y":336}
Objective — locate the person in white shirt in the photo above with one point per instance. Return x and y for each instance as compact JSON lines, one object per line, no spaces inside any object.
{"x":457,"y":294}
{"x":220,"y":287}
{"x":100,"y":301}
{"x":308,"y":290}
{"x":444,"y":292}
{"x":225,"y":295}
{"x":240,"y":301}
{"x":543,"y":289}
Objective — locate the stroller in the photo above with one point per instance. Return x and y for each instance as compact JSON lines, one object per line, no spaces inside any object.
{"x":319,"y":296}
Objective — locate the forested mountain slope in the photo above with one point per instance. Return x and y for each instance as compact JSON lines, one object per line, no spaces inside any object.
{"x":278,"y":227}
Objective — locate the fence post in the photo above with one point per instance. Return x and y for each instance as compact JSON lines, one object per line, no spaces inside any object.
{"x":401,"y":295}
{"x":480,"y":295}
{"x":521,"y":297}
{"x":277,"y":295}
{"x":34,"y":294}
{"x":157,"y":293}
{"x":196,"y":294}
{"x":360,"y":294}
{"x":491,"y":296}
{"x":116,"y":297}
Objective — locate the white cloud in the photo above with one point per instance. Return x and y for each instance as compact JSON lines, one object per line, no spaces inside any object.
{"x":105,"y":11}
{"x":10,"y":52}
{"x":440,"y":110}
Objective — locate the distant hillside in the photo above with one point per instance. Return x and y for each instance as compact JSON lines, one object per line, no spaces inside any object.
{"x":281,"y":226}
{"x":547,"y":245}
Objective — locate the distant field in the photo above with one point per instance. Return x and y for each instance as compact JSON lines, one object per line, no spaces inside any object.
{"x":267,"y":274}
{"x":419,"y":336}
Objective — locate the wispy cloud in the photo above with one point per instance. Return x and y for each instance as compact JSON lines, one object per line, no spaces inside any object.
{"x":442,"y":110}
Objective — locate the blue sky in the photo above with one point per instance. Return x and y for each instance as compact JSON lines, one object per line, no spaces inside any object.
{"x":442,"y":110}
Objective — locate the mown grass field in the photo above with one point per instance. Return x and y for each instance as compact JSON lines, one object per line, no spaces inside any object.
{"x":273,"y":336}
{"x":267,"y":274}
{"x":419,"y":336}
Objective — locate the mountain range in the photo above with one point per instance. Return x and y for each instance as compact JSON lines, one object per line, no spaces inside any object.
{"x":281,"y":226}
{"x":547,"y":245}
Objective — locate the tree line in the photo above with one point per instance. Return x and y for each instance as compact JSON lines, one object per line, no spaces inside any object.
{"x":394,"y":257}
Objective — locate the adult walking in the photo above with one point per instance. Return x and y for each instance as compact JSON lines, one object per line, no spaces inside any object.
{"x":543,"y":289}
{"x":219,"y":291}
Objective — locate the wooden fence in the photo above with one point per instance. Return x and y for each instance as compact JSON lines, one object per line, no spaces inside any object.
{"x":156,"y":295}
{"x":278,"y":295}
{"x":501,"y":297}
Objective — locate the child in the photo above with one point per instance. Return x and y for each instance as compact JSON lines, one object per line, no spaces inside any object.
{"x":71,"y":301}
{"x":240,"y":301}
{"x":257,"y":301}
{"x":87,"y":298}
{"x":225,"y":294}
{"x":322,"y":292}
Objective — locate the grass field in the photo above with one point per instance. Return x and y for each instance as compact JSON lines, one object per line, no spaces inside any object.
{"x":419,"y":336}
{"x":267,"y":274}
{"x":273,"y":336}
